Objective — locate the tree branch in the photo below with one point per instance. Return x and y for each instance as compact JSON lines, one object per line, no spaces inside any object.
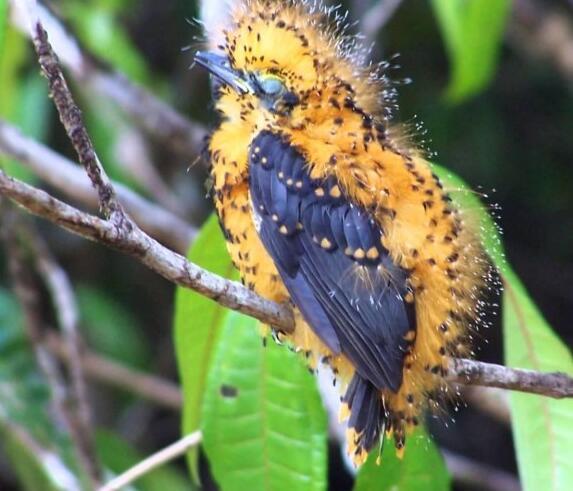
{"x":477,"y":475}
{"x":121,"y":233}
{"x":67,"y":177}
{"x":376,"y":17}
{"x":543,"y":31}
{"x":71,"y":118}
{"x":51,"y":463}
{"x":136,"y":243}
{"x":177,"y":269}
{"x":470,"y":372}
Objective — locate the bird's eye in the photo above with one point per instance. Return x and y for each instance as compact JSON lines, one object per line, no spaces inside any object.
{"x":270,"y":85}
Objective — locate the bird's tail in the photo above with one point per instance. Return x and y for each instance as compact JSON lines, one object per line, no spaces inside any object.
{"x":367,"y":420}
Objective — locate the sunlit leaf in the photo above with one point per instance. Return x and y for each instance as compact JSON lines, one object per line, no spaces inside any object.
{"x":118,"y":456}
{"x":421,"y":469}
{"x":542,"y":427}
{"x":263,"y":423}
{"x":198,"y":322}
{"x":472,"y":32}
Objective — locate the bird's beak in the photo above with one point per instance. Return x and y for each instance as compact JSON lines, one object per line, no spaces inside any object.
{"x":219,"y":67}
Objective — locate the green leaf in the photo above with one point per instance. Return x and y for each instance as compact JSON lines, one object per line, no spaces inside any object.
{"x":3,"y":22}
{"x":198,"y":322}
{"x":118,"y":455}
{"x":421,"y":469}
{"x":542,"y":427}
{"x":263,"y":423}
{"x":97,"y":26}
{"x":472,"y":32}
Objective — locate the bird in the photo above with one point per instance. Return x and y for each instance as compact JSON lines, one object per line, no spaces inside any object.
{"x":328,"y":205}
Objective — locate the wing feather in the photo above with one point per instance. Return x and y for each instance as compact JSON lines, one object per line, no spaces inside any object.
{"x":352,"y":306}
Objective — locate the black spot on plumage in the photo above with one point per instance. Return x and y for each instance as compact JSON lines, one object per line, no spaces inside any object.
{"x":359,"y":313}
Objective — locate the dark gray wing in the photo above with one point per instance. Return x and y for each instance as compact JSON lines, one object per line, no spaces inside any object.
{"x":327,"y":251}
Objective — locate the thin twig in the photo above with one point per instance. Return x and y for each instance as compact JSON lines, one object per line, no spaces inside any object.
{"x":470,"y":372}
{"x":69,"y":178}
{"x":64,"y":302}
{"x":136,"y":243}
{"x":71,"y":118}
{"x":177,"y":269}
{"x":161,"y":391}
{"x":160,"y":458}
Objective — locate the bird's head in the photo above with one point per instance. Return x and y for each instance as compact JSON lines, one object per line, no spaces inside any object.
{"x":290,"y":60}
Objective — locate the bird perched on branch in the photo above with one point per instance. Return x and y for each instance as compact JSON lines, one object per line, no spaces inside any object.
{"x":324,"y":202}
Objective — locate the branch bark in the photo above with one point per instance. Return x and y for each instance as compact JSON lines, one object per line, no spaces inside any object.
{"x":470,"y":372}
{"x":177,"y":269}
{"x":67,"y":177}
{"x":134,"y":242}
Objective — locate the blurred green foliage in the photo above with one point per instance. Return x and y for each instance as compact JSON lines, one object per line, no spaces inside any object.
{"x":263,"y":423}
{"x":472,"y":34}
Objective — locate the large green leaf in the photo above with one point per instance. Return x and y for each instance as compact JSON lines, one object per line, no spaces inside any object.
{"x":542,"y":427}
{"x":198,"y":322}
{"x":263,"y":423}
{"x":472,"y":32}
{"x":118,"y":455}
{"x":421,"y":469}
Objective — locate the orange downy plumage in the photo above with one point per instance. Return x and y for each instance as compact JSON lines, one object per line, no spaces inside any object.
{"x":342,"y":128}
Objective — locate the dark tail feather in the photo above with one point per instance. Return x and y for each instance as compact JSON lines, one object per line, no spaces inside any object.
{"x":367,"y":416}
